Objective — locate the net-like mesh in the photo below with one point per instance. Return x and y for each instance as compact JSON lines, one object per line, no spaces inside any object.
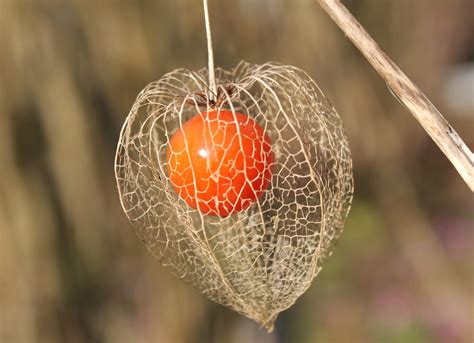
{"x":260,"y":260}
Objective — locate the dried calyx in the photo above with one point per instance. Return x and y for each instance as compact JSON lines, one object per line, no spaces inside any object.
{"x":259,"y":260}
{"x":208,"y":99}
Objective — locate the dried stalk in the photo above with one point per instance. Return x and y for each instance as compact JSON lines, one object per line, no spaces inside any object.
{"x":407,"y":92}
{"x":210,"y":53}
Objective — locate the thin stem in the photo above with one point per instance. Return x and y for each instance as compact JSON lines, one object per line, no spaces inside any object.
{"x":210,"y":53}
{"x":407,"y":92}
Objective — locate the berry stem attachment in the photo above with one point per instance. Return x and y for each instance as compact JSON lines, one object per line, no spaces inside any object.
{"x":406,"y":91}
{"x":210,"y":53}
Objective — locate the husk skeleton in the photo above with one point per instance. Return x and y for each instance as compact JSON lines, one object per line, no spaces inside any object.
{"x":258,"y":261}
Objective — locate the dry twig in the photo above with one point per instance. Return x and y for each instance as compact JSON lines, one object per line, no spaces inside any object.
{"x":408,"y":93}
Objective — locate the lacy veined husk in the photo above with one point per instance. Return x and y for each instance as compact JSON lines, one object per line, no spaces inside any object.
{"x":258,"y":261}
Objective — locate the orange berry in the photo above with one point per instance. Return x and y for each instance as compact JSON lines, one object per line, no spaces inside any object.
{"x":220,"y":163}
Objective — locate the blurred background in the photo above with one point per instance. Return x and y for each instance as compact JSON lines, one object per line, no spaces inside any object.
{"x":72,"y":268}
